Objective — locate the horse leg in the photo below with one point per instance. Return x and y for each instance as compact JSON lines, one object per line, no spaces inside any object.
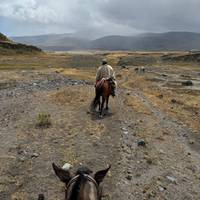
{"x":99,"y":104}
{"x":107,"y":99}
{"x":102,"y":106}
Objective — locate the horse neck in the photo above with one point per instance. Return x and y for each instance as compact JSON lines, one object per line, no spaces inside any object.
{"x":86,"y":191}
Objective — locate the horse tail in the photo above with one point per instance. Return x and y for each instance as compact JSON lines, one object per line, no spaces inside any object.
{"x":95,"y":102}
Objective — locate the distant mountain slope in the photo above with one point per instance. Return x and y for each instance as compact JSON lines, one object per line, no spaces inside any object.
{"x":7,"y":46}
{"x":159,"y":41}
{"x":147,"y":41}
{"x":54,"y":41}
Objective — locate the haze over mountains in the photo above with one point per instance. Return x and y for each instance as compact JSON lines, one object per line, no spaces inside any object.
{"x":147,"y":41}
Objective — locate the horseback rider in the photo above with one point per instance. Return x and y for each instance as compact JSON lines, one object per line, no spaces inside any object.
{"x":106,"y":72}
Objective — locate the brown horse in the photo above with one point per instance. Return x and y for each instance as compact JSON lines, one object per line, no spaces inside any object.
{"x":104,"y":90}
{"x":82,"y":186}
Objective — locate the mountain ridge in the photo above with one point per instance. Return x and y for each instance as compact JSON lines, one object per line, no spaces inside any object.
{"x":177,"y":40}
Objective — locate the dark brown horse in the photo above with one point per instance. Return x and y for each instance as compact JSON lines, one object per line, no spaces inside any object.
{"x":103,"y":91}
{"x":82,"y":186}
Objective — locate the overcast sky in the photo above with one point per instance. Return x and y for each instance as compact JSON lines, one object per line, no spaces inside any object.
{"x":98,"y":17}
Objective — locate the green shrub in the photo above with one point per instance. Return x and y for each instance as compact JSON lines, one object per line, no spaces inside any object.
{"x":43,"y":120}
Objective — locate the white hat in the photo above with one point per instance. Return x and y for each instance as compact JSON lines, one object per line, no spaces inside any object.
{"x":104,"y":60}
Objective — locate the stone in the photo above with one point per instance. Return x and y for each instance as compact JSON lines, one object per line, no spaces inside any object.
{"x":187,"y":83}
{"x":171,"y":179}
{"x":124,"y":129}
{"x":34,"y":155}
{"x":141,"y":143}
{"x":41,"y":197}
{"x":173,"y":101}
{"x":161,"y":188}
{"x":160,"y":96}
{"x":191,"y":142}
{"x":129,"y":177}
{"x":66,"y":166}
{"x":125,"y":132}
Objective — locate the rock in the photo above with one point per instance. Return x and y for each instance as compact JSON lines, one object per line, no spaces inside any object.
{"x":161,"y":151}
{"x":160,"y":96}
{"x":141,"y":143}
{"x":173,"y":101}
{"x":129,"y":177}
{"x":136,"y":69}
{"x":123,"y":66}
{"x":143,"y":69}
{"x":41,"y":197}
{"x":34,"y":155}
{"x":187,"y":83}
{"x":66,"y":166}
{"x":125,"y":132}
{"x":191,"y":142}
{"x":171,"y":179}
{"x":161,"y":188}
{"x":124,"y":129}
{"x":22,"y":159}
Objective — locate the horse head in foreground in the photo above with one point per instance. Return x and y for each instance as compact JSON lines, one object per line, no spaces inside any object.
{"x":84,"y":185}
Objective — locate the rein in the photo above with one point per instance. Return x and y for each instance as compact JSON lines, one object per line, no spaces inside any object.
{"x":88,"y":178}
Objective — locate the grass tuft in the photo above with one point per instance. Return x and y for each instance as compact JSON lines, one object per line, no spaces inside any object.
{"x":43,"y":120}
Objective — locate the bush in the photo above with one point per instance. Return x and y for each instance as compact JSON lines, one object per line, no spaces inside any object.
{"x":43,"y":120}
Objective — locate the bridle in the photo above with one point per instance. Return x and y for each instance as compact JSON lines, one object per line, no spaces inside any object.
{"x":89,"y":178}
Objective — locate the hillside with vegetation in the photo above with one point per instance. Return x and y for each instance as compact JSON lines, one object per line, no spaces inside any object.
{"x":8,"y":47}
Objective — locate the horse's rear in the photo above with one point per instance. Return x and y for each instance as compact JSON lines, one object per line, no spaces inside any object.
{"x":103,"y":89}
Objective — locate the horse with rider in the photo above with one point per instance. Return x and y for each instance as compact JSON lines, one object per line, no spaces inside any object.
{"x":104,"y":87}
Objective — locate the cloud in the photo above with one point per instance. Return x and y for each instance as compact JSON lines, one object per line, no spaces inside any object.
{"x":101,"y":17}
{"x":29,"y":10}
{"x":154,"y":15}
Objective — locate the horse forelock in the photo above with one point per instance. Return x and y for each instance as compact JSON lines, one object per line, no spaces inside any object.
{"x":83,"y":170}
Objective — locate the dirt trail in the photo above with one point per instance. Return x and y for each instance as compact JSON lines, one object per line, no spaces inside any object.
{"x":167,"y":167}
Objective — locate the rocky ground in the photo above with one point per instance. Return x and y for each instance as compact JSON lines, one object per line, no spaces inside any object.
{"x":150,"y":135}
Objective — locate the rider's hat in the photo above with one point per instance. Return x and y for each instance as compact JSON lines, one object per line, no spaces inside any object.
{"x":104,"y":61}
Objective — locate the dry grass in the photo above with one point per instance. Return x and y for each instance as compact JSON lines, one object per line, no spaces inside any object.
{"x":79,"y":74}
{"x":76,"y":95}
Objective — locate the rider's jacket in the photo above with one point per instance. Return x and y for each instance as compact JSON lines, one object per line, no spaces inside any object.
{"x":105,"y":71}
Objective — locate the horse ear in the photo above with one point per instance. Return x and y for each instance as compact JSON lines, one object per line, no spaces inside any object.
{"x":62,"y":174}
{"x":99,"y":176}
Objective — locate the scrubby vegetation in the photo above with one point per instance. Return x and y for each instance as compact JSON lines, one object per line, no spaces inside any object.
{"x":43,"y":120}
{"x":3,"y":37}
{"x":8,"y":47}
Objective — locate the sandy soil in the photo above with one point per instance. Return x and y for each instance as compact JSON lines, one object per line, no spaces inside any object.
{"x":152,"y":106}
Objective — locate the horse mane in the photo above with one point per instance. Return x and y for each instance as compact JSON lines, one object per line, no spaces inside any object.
{"x":81,"y":180}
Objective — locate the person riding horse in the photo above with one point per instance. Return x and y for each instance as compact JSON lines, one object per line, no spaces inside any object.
{"x":106,"y":72}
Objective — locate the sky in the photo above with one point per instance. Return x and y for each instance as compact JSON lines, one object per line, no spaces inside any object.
{"x":96,"y":18}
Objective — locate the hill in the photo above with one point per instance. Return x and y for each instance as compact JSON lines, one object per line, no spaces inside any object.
{"x":148,"y":41}
{"x":7,"y":46}
{"x":55,"y":42}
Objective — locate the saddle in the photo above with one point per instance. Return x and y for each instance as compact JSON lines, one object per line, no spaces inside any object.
{"x":101,"y":82}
